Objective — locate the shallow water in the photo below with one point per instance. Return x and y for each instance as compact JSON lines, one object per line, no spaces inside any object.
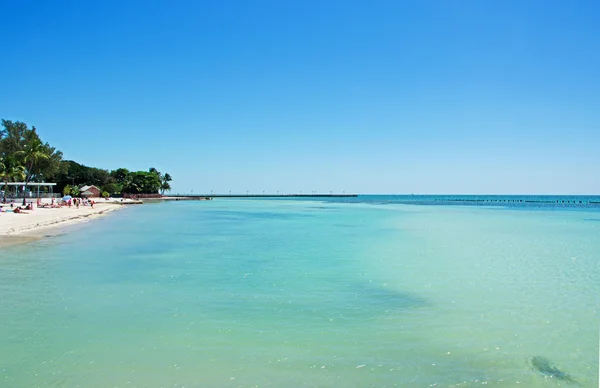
{"x":253,"y":293}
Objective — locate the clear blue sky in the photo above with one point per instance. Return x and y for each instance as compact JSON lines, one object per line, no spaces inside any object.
{"x":356,"y":96}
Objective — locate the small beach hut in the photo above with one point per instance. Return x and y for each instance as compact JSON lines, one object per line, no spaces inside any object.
{"x":87,"y":194}
{"x":93,"y":190}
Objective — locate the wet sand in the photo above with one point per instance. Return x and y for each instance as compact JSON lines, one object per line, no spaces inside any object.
{"x":6,"y":241}
{"x":33,"y":224}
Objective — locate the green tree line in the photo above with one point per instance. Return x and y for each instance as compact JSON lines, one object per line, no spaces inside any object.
{"x":24,"y":157}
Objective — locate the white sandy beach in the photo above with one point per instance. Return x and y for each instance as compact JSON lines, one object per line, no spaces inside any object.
{"x":12,"y":224}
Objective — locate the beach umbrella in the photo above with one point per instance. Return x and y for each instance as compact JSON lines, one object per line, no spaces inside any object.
{"x":67,"y":197}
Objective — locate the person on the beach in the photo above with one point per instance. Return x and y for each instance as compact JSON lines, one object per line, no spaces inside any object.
{"x":77,"y":203}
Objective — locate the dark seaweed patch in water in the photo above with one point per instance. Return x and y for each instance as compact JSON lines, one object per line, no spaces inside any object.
{"x":382,"y":298}
{"x":592,"y":219}
{"x":544,"y":367}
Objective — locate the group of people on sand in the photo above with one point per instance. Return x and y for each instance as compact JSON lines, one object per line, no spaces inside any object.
{"x":69,"y":202}
{"x":79,"y":201}
{"x":53,"y":204}
{"x":18,"y":209}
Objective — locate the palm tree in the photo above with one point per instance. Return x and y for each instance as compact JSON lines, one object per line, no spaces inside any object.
{"x":10,"y":172}
{"x":164,"y":186}
{"x":32,"y":154}
{"x":2,"y":167}
{"x":164,"y":183}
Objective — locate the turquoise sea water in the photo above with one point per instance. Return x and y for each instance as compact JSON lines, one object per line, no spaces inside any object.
{"x":364,"y":292}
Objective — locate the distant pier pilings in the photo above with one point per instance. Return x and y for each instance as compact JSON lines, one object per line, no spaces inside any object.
{"x":560,"y":201}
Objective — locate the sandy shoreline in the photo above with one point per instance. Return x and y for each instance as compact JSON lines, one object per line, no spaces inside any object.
{"x":23,"y":228}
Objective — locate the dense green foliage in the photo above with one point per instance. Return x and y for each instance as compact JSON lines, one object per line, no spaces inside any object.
{"x":24,"y":157}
